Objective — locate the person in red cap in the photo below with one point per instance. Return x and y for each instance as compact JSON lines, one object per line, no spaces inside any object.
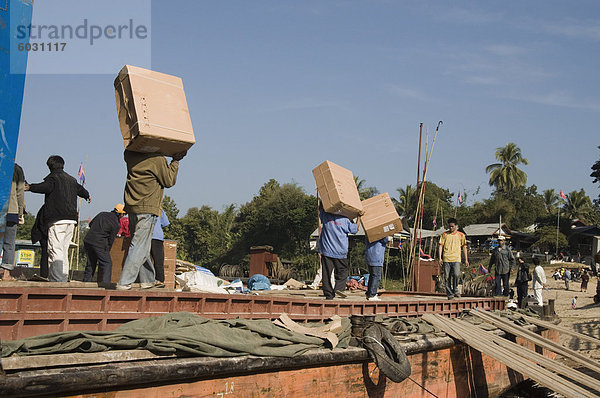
{"x":98,"y":241}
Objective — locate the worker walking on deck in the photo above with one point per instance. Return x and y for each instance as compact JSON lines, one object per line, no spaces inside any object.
{"x":539,"y":281}
{"x":504,"y":260}
{"x":451,"y":244}
{"x":98,"y":242}
{"x":374,"y":256}
{"x":60,"y":214}
{"x":147,"y":176}
{"x":333,"y":246}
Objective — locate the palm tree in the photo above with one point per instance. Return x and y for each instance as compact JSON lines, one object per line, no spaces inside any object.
{"x":578,"y":205}
{"x":405,"y":201}
{"x":363,"y":191}
{"x":550,"y":200}
{"x":505,"y":175}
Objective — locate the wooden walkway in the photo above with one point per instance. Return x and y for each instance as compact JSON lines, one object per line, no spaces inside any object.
{"x":547,"y":372}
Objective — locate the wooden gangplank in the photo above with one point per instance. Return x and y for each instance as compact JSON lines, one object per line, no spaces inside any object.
{"x":545,"y":371}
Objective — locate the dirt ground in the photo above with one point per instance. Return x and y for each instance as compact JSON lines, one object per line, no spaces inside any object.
{"x":584,"y":319}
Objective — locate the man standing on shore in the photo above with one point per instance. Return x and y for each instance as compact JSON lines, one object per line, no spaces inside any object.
{"x":451,"y":244}
{"x":539,"y":281}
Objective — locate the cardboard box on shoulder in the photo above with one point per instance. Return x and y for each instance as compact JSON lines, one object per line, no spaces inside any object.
{"x":337,"y":190}
{"x":381,"y":218}
{"x":153,"y":112}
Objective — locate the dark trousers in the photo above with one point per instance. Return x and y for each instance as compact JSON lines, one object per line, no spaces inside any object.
{"x":100,"y":256}
{"x":374,"y":278}
{"x":44,"y":270}
{"x":521,"y":294}
{"x":157,"y":252}
{"x":339,"y":266}
{"x":502,"y":282}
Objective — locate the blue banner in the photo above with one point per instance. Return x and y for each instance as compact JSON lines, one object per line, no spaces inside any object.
{"x":13,"y":13}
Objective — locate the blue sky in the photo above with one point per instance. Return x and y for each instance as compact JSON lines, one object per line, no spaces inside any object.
{"x":276,"y":87}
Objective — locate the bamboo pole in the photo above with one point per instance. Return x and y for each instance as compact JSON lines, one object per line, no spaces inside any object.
{"x":76,"y":233}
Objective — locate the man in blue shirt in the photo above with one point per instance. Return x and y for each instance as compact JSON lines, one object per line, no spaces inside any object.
{"x":333,"y":247}
{"x":374,"y":255}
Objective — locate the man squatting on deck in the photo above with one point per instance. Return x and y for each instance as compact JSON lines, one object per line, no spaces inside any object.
{"x":147,"y":176}
{"x":374,"y":256}
{"x":333,"y":247}
{"x":451,"y":243}
{"x":60,"y":214}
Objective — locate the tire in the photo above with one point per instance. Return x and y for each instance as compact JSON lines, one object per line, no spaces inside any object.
{"x":387,"y":353}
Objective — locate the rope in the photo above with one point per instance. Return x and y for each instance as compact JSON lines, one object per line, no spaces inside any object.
{"x":423,"y":387}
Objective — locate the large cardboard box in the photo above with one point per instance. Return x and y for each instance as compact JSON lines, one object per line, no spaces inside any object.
{"x":153,"y":112}
{"x":337,"y":190}
{"x":381,"y":218}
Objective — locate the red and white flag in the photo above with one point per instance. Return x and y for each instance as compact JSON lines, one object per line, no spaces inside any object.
{"x":562,"y":194}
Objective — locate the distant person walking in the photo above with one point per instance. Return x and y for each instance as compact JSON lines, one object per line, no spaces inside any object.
{"x":60,"y":214}
{"x":522,"y":282}
{"x":14,"y":217}
{"x":585,"y":278}
{"x":539,"y":281}
{"x":452,"y":242}
{"x":374,"y":257}
{"x":333,"y":247}
{"x":503,"y":259}
{"x":148,"y":174}
{"x":567,"y":278}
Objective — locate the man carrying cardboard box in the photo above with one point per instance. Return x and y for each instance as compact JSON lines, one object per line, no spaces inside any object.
{"x":374,"y":256}
{"x":147,"y":176}
{"x":333,"y":246}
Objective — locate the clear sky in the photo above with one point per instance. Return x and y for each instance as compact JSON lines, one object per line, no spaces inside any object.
{"x":276,"y":87}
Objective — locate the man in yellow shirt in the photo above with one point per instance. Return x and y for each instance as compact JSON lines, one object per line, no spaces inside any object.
{"x":451,"y":243}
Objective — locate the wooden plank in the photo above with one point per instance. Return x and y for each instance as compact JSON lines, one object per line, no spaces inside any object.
{"x":476,"y":340}
{"x":42,"y":361}
{"x":560,"y":329}
{"x":537,"y":339}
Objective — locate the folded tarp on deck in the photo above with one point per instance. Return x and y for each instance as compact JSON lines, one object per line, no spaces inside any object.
{"x":180,"y":333}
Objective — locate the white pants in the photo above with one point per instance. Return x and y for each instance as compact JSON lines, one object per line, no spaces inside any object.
{"x":537,"y":294}
{"x":319,"y":277}
{"x":59,"y":239}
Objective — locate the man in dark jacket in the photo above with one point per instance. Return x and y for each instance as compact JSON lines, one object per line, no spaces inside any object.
{"x":148,"y":174}
{"x":98,"y":242}
{"x":503,"y":259}
{"x":60,"y":214}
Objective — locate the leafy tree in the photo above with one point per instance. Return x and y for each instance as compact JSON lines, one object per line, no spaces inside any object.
{"x":550,"y":200}
{"x":282,"y":216}
{"x":596,"y":175}
{"x":547,"y":239}
{"x":364,"y":191}
{"x":406,"y":202}
{"x":506,"y":175}
{"x":578,"y":206}
{"x":24,"y":230}
{"x":529,"y":206}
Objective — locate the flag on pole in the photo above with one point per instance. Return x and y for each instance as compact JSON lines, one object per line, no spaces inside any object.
{"x":434,"y":223}
{"x":81,"y":174}
{"x":460,"y":199}
{"x":562,"y":194}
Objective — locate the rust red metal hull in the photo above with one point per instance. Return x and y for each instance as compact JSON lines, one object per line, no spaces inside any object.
{"x":30,"y":311}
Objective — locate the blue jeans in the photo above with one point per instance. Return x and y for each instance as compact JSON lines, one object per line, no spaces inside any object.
{"x":8,"y":246}
{"x":374,"y":278}
{"x":141,"y":227}
{"x":452,"y":275}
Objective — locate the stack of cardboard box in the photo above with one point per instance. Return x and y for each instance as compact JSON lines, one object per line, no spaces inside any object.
{"x":339,"y":195}
{"x":153,"y":112}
